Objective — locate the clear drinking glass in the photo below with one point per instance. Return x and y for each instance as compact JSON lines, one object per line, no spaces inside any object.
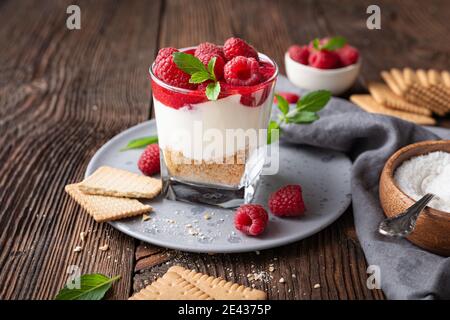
{"x":213,"y":152}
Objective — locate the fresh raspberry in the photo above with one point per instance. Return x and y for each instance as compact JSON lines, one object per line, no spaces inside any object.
{"x":207,"y":48}
{"x":324,"y":59}
{"x":287,"y":202}
{"x":206,"y":51}
{"x":251,"y":219}
{"x":348,"y":55}
{"x":235,"y":47}
{"x":299,"y":53}
{"x":289,"y":96}
{"x":218,"y":67}
{"x":242,"y":71}
{"x":166,"y":70}
{"x":149,"y":161}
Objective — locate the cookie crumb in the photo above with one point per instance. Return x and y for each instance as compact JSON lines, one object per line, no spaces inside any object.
{"x":193,"y":232}
{"x":82,"y":236}
{"x":281,"y":280}
{"x":78,"y":249}
{"x":145,"y":217}
{"x":207,"y":216}
{"x":104,"y":247}
{"x":316,"y":286}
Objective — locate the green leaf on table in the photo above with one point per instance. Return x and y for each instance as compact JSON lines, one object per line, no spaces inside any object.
{"x":92,"y":287}
{"x":273,"y":125}
{"x":303,"y":117}
{"x":283,"y":105}
{"x":314,"y":101}
{"x":140,"y":143}
{"x":334,"y":43}
{"x":213,"y":90}
{"x":188,"y":63}
{"x":199,"y":77}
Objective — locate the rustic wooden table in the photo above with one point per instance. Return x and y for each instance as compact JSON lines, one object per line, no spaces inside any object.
{"x":65,"y":93}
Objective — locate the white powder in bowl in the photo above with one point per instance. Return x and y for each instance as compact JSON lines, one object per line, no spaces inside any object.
{"x":429,"y":173}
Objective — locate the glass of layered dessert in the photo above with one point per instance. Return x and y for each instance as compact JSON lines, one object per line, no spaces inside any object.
{"x":212,"y":105}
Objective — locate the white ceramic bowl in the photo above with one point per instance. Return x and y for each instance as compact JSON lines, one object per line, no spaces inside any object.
{"x":335,"y":80}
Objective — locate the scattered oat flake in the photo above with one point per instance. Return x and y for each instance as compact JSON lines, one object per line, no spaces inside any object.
{"x":104,"y":247}
{"x":316,"y":286}
{"x":145,"y":217}
{"x":294,"y":276}
{"x":78,"y":249}
{"x":82,"y":236}
{"x":281,"y":280}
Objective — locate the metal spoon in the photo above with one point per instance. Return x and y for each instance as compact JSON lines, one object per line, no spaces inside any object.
{"x":404,"y":223}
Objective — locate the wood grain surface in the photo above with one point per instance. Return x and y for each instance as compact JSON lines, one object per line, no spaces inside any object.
{"x":65,"y":93}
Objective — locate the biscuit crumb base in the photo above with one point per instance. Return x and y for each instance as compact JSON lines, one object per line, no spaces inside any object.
{"x":229,"y":172}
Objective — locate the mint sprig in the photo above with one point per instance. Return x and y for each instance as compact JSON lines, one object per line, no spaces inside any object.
{"x":199,"y":73}
{"x":332,"y":43}
{"x":305,"y":111}
{"x":92,"y":287}
{"x":140,"y":143}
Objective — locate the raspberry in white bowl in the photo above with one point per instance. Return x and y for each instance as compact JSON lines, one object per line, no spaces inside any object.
{"x":204,"y":97}
{"x":329,"y":63}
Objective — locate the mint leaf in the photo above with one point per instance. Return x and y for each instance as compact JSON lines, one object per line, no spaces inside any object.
{"x":188,"y":63}
{"x":199,"y":73}
{"x":316,"y":44}
{"x":199,"y":77}
{"x":334,"y":43}
{"x":213,"y":90}
{"x":140,"y":143}
{"x":283,"y":105}
{"x":92,"y":287}
{"x":211,"y":65}
{"x":273,"y":125}
{"x":303,"y":117}
{"x":314,"y":101}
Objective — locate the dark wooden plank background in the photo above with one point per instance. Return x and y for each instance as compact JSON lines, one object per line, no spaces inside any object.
{"x":65,"y":93}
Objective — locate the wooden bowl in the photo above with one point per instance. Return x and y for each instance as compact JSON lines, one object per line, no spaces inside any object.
{"x":432,"y":230}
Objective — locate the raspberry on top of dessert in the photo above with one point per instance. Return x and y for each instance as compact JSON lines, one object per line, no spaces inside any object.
{"x":211,"y":72}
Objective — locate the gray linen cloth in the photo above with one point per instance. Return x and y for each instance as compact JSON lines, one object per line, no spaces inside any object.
{"x":407,"y":272}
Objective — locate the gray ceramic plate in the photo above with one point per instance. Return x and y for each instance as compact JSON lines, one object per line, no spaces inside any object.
{"x":324,"y":176}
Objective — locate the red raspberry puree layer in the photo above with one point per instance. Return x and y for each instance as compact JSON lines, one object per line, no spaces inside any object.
{"x":178,"y":98}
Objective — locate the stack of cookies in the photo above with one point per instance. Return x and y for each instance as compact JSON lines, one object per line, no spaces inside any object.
{"x":183,"y":284}
{"x":111,"y":194}
{"x":412,"y":95}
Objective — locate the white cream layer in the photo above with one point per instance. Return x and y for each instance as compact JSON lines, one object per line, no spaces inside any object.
{"x":198,"y":129}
